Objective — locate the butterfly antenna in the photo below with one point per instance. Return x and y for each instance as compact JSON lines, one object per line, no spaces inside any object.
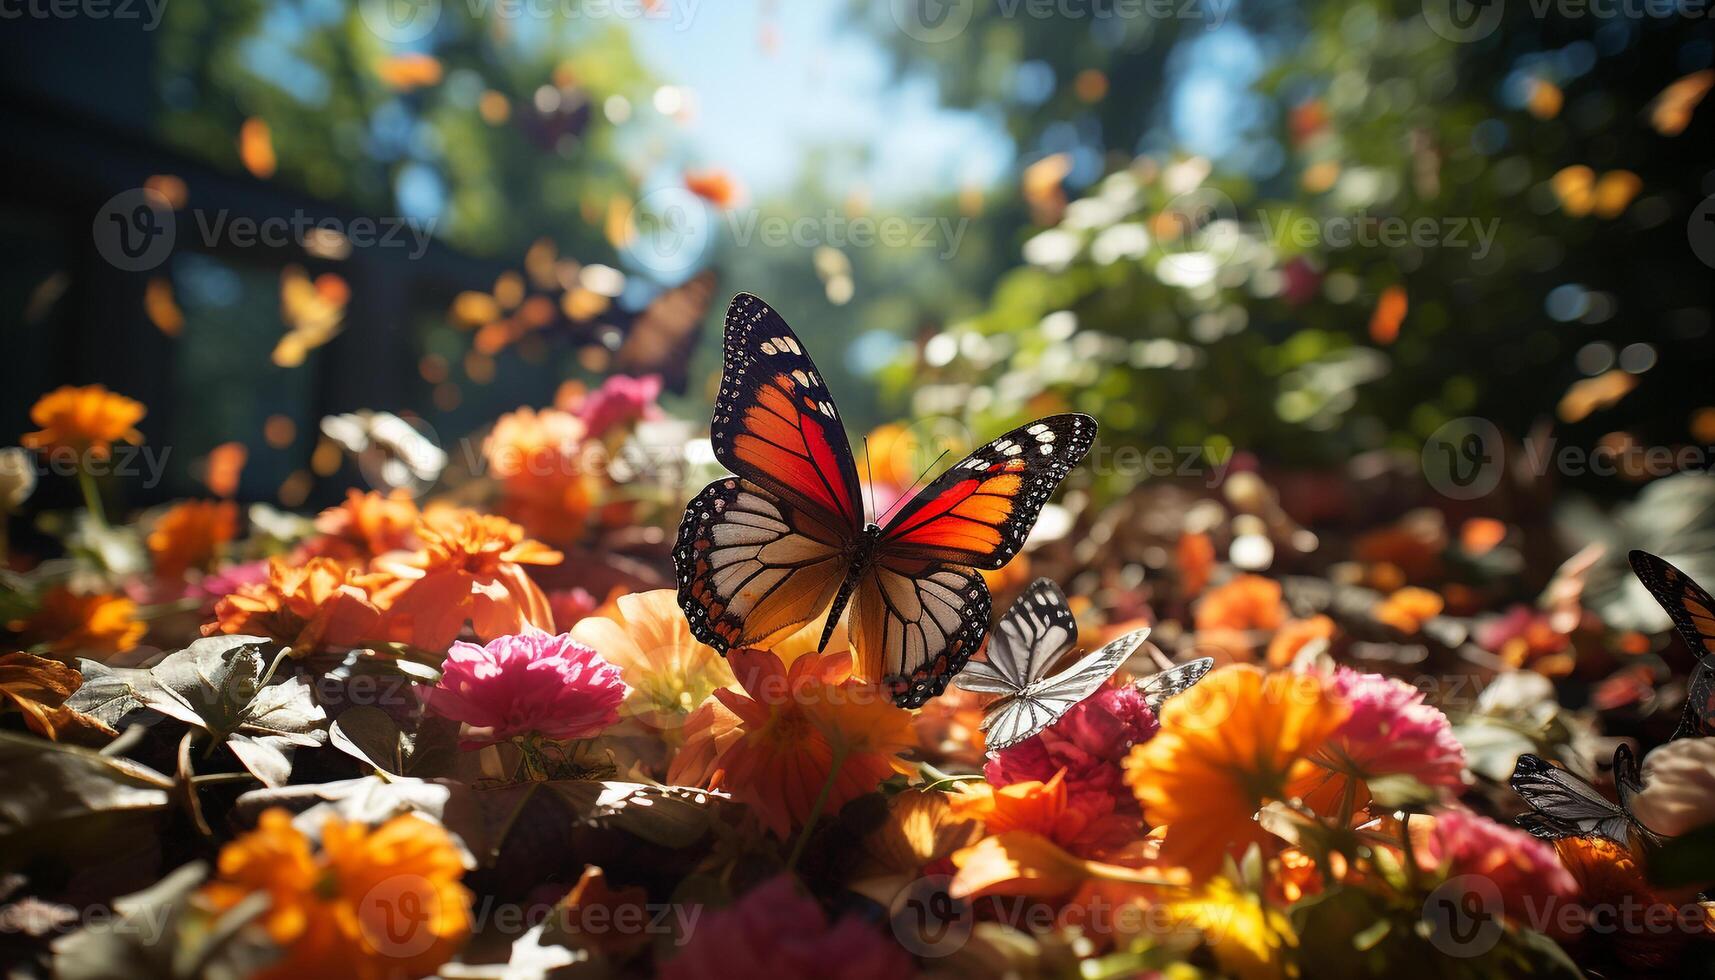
{"x":908,"y":490}
{"x":869,"y":471}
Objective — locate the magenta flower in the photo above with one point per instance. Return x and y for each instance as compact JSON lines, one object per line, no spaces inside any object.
{"x":621,"y":400}
{"x":1523,"y":869}
{"x":776,"y":931}
{"x":1089,"y":743}
{"x":530,"y":684}
{"x":1390,"y":732}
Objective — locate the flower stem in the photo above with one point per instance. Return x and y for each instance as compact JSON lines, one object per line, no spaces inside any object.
{"x":816,"y":809}
{"x":91,"y":497}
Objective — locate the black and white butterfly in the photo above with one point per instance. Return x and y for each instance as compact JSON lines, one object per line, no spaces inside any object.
{"x":1034,"y":635}
{"x":1565,"y":805}
{"x":1171,"y":680}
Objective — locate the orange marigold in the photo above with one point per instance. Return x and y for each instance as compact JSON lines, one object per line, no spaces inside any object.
{"x":470,"y":568}
{"x":89,"y":418}
{"x":308,"y":607}
{"x":799,"y":728}
{"x":1295,"y":635}
{"x":191,"y":534}
{"x":1247,"y":602}
{"x":1227,"y":746}
{"x":1194,"y":558}
{"x":66,"y":622}
{"x":1409,"y":608}
{"x":373,"y":904}
{"x":547,"y":476}
{"x":367,"y":524}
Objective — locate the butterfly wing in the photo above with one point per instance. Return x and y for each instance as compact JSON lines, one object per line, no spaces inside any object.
{"x":661,"y":337}
{"x":766,"y":552}
{"x":914,"y":624}
{"x":1698,"y":720}
{"x":1046,"y":701}
{"x":1175,"y":680}
{"x":979,"y":512}
{"x":1031,"y":637}
{"x":1565,"y":805}
{"x":1691,"y":607}
{"x":775,"y":423}
{"x":752,"y":565}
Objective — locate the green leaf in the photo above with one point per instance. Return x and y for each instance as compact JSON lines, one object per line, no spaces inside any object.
{"x":52,"y":788}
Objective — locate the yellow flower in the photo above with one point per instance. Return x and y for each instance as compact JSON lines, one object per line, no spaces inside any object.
{"x":1226,"y":747}
{"x":373,"y":905}
{"x":1250,"y":941}
{"x":191,"y":535}
{"x":670,"y":673}
{"x":100,"y":625}
{"x":89,"y":418}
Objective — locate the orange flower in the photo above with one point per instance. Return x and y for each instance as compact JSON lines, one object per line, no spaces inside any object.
{"x":800,"y":728}
{"x":709,"y":731}
{"x":1295,"y":635}
{"x":1610,"y":877}
{"x":1194,"y":557}
{"x":373,"y":905}
{"x":1408,"y":609}
{"x":470,"y":568}
{"x":670,"y":673}
{"x":1020,"y":862}
{"x":715,"y":186}
{"x":1248,"y":602}
{"x":68,"y":623}
{"x":549,"y":482}
{"x":191,"y":535}
{"x":89,"y":418}
{"x":1227,"y":746}
{"x":367,"y":524}
{"x":308,"y":607}
{"x":39,"y":687}
{"x":1030,"y":805}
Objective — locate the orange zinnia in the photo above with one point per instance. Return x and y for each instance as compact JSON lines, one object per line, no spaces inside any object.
{"x":805,"y":729}
{"x":66,"y":622}
{"x":1031,"y":805}
{"x":367,"y":524}
{"x":1294,"y":636}
{"x":89,"y":418}
{"x":374,"y":904}
{"x":1409,"y":608}
{"x":1227,"y":746}
{"x":308,"y":607}
{"x":470,"y":568}
{"x":1248,"y":602}
{"x":191,"y":535}
{"x":548,"y":478}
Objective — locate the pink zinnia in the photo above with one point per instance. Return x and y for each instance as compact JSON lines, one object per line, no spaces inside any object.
{"x":621,"y":400}
{"x":1525,"y":871}
{"x":529,"y":684}
{"x":1390,"y":732}
{"x":1089,"y":743}
{"x":779,"y":933}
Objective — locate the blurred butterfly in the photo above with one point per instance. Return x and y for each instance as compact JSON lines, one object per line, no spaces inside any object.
{"x":1565,"y":805}
{"x":785,"y":540}
{"x":1031,"y":638}
{"x":1693,"y":613}
{"x":661,"y":337}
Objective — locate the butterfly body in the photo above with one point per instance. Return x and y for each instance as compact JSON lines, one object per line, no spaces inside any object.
{"x":785,"y":541}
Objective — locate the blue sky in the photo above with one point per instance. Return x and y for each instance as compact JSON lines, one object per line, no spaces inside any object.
{"x":824,"y":82}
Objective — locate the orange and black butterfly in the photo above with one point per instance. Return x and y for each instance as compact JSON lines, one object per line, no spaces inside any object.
{"x":1693,"y":614}
{"x":770,"y":549}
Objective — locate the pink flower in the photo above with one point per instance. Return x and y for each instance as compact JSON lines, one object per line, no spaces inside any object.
{"x":1089,"y":742}
{"x":778,"y":933}
{"x":1525,"y":871}
{"x":621,"y":400}
{"x":1391,"y":731}
{"x":531,"y":683}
